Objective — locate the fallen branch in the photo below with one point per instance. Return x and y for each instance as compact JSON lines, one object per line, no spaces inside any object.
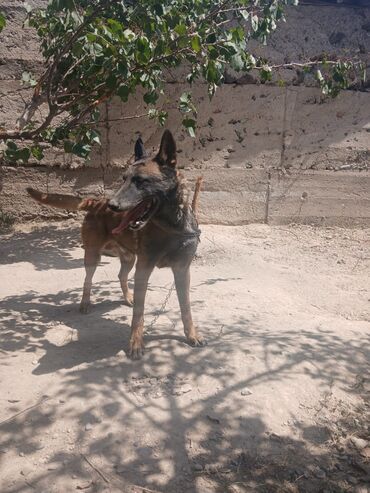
{"x":7,"y":420}
{"x":95,"y":468}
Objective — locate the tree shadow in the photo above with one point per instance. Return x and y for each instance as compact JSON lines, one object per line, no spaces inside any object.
{"x":45,"y":247}
{"x":181,"y":419}
{"x":155,"y":428}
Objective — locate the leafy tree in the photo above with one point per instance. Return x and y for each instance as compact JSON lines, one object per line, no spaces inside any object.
{"x":97,"y":49}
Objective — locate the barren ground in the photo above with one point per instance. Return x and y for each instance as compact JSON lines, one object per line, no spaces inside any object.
{"x":278,"y":401}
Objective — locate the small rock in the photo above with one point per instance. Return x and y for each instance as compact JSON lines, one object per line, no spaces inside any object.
{"x":361,"y":489}
{"x":85,"y":485}
{"x":35,"y":362}
{"x":366,"y":452}
{"x":197,"y":467}
{"x":246,"y":391}
{"x":212,"y":468}
{"x":352,"y":480}
{"x":21,"y":454}
{"x":26,"y":471}
{"x":213,"y":419}
{"x":248,"y":165}
{"x":359,"y":443}
{"x":88,"y":427}
{"x":320,"y":474}
{"x":184,"y":389}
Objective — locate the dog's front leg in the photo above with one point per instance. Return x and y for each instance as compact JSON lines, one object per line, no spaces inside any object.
{"x":182,"y":282}
{"x":142,"y":274}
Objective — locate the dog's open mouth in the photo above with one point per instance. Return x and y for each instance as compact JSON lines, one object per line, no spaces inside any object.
{"x":137,"y":217}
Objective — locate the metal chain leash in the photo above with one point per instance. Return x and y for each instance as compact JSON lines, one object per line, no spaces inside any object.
{"x":161,"y":310}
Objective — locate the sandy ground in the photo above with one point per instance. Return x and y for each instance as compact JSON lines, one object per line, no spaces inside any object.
{"x":277,"y":401}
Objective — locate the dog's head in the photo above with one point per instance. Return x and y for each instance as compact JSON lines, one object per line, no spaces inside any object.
{"x":146,"y":186}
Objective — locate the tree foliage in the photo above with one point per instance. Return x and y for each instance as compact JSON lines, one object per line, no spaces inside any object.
{"x":97,"y":49}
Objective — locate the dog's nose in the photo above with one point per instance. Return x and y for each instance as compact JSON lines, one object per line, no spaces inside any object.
{"x":112,"y":204}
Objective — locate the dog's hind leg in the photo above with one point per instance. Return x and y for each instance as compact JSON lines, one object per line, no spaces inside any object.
{"x":182,"y":282}
{"x":127,"y":262}
{"x":92,"y":258}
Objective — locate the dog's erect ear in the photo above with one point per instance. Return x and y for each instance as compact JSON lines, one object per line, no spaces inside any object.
{"x":167,"y":151}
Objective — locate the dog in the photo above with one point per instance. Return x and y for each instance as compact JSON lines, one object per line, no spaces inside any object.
{"x":148,"y":218}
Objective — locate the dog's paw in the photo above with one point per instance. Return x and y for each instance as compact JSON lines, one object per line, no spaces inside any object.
{"x":136,"y":350}
{"x":85,"y":307}
{"x":196,"y":341}
{"x":129,"y":299}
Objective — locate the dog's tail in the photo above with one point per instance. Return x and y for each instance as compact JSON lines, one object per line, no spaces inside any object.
{"x":194,"y":203}
{"x":68,"y":202}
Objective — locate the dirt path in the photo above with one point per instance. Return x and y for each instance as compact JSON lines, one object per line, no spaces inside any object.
{"x":277,"y":401}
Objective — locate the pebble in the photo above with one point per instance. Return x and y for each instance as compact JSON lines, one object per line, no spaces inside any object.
{"x":366,"y":452}
{"x":246,"y":391}
{"x":359,"y":443}
{"x":197,"y":467}
{"x":21,"y":454}
{"x":184,"y":389}
{"x":212,"y":468}
{"x":26,"y":471}
{"x":352,"y":480}
{"x":320,"y":474}
{"x":361,"y":489}
{"x":88,"y":427}
{"x":35,"y":362}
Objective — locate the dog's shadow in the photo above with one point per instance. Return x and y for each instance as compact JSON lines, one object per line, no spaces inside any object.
{"x":94,"y":338}
{"x":53,"y":323}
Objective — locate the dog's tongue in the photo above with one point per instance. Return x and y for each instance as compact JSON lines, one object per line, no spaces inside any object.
{"x":128,"y":217}
{"x":122,"y":225}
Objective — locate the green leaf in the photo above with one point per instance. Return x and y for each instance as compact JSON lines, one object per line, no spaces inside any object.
{"x":123,"y":92}
{"x":36,"y":152}
{"x":11,"y":145}
{"x":180,"y":29}
{"x":266,"y":73}
{"x":2,"y":21}
{"x":27,"y":78}
{"x":254,"y":22}
{"x":81,"y":150}
{"x":68,"y":146}
{"x":196,"y":44}
{"x":23,"y":155}
{"x":190,"y":125}
{"x":151,"y":97}
{"x":237,"y":62}
{"x":95,"y":137}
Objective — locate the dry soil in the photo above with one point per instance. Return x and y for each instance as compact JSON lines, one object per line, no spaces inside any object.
{"x":278,"y":401}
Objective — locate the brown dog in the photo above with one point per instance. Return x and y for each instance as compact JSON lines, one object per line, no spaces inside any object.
{"x":149,"y":217}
